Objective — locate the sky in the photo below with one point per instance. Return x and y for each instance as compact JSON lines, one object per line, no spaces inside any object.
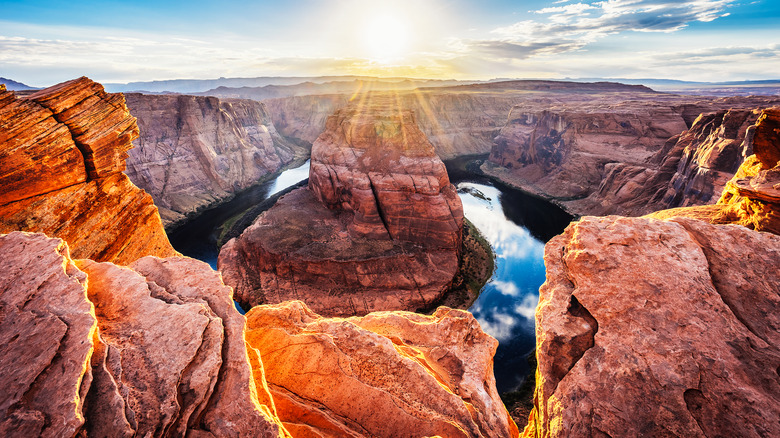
{"x":46,"y":42}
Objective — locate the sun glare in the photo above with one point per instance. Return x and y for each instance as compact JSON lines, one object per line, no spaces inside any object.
{"x":385,"y":38}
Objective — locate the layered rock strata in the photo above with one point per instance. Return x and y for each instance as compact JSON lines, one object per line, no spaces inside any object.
{"x":689,"y":347}
{"x":623,"y":154}
{"x":196,"y":151}
{"x":378,"y":228}
{"x":94,"y":349}
{"x":385,"y":374}
{"x":752,"y":197}
{"x":62,"y":154}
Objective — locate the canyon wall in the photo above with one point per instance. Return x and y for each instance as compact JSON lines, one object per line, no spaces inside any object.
{"x":615,"y":155}
{"x":197,"y":151}
{"x":61,"y":162}
{"x":378,"y":228}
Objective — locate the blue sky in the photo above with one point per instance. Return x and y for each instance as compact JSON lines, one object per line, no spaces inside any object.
{"x":44,"y":42}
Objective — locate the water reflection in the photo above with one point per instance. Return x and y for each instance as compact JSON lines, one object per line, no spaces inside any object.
{"x":289,"y":178}
{"x":505,"y":308}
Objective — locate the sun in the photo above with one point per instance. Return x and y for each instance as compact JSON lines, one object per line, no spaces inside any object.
{"x":385,"y":38}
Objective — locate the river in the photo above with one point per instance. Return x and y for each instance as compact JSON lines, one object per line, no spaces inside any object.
{"x":517,"y":226}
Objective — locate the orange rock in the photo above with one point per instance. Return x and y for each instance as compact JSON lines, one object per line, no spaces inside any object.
{"x":61,"y":157}
{"x":107,"y":219}
{"x":46,"y":332}
{"x":385,"y":374}
{"x":378,"y":228}
{"x":658,"y":328}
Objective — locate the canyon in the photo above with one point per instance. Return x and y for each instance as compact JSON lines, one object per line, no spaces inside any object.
{"x":378,"y":227}
{"x":195,"y":152}
{"x":655,"y":325}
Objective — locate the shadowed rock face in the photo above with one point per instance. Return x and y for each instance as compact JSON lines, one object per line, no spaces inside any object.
{"x":751,"y":198}
{"x":385,"y":374}
{"x":653,"y":328}
{"x":623,"y":154}
{"x":378,"y":228}
{"x":161,"y":353}
{"x":61,"y":161}
{"x":195,"y":151}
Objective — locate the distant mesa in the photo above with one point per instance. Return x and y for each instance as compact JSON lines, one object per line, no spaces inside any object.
{"x":378,"y":228}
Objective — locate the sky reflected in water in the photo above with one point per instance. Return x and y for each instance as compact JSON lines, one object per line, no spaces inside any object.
{"x":505,"y":308}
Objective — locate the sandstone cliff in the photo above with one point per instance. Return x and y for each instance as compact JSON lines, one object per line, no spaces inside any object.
{"x":197,"y":151}
{"x":62,"y":153}
{"x":658,"y":328}
{"x":378,"y":228}
{"x":158,"y":349}
{"x":623,"y":154}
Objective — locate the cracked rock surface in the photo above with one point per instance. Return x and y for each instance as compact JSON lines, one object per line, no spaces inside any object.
{"x":384,"y":374}
{"x":378,"y":228}
{"x":62,"y":153}
{"x":658,"y":328}
{"x":161,"y":353}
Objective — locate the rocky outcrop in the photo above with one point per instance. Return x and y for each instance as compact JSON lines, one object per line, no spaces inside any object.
{"x":689,"y":347}
{"x":385,"y":374}
{"x":623,"y":154}
{"x":378,"y":228}
{"x":751,"y":198}
{"x":196,"y":151}
{"x":161,"y":353}
{"x":61,"y":162}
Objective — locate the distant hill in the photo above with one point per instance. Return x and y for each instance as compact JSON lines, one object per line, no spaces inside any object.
{"x":553,"y":86}
{"x":769,"y":87}
{"x":190,"y":86}
{"x":15,"y":86}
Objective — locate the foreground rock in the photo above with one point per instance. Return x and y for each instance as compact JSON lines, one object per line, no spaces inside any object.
{"x":196,"y":151}
{"x":162,"y":352}
{"x":61,"y":164}
{"x":689,"y":347}
{"x":378,"y":228}
{"x":385,"y":374}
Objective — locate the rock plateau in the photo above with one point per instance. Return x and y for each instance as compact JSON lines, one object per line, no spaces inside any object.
{"x":62,"y":153}
{"x":197,"y":151}
{"x":688,"y":347}
{"x":378,"y":227}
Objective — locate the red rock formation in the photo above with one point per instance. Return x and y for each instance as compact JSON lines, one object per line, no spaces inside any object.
{"x":751,"y":198}
{"x":385,"y":374}
{"x":622,"y":153}
{"x":46,"y":331}
{"x":378,"y":228}
{"x":162,"y":352}
{"x":196,"y":151}
{"x":652,"y":328}
{"x":63,"y":151}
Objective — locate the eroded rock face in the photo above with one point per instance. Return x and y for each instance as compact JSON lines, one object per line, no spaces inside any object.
{"x":623,"y":154}
{"x":378,"y":228}
{"x":195,"y":151}
{"x":751,"y":198}
{"x":689,"y":347}
{"x":385,"y":374}
{"x":161,"y":353}
{"x":63,"y":151}
{"x":46,"y":338}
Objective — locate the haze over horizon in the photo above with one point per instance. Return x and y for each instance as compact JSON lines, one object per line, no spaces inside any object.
{"x":45,"y":42}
